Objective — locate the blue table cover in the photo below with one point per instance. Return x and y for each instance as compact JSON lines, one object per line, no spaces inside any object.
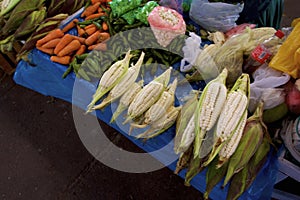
{"x":45,"y":77}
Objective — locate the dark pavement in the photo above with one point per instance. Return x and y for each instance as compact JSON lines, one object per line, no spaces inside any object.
{"x":42,"y":156}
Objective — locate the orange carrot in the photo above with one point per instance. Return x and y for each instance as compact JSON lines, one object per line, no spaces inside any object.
{"x":99,"y":46}
{"x":91,"y":9}
{"x":56,"y":33}
{"x":80,"y":39}
{"x":92,"y":38}
{"x":104,"y":26}
{"x":94,"y":16}
{"x":103,"y":36}
{"x":95,"y":1}
{"x":51,"y":44}
{"x":65,"y":60}
{"x":81,"y":50}
{"x":71,"y":47}
{"x":65,"y":40}
{"x":92,"y":30}
{"x":46,"y":50}
{"x":89,"y":26}
{"x":80,"y":31}
{"x":70,"y":25}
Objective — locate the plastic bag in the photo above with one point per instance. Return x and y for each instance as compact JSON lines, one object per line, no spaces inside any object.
{"x":190,"y":50}
{"x":214,"y":58}
{"x":287,"y":59}
{"x":174,"y":4}
{"x":264,"y":87}
{"x":230,"y":55}
{"x":164,"y":29}
{"x":215,"y":16}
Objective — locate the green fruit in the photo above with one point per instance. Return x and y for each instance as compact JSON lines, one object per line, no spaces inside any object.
{"x":276,"y":113}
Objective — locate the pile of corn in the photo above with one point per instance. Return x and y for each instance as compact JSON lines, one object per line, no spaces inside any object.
{"x":222,"y":137}
{"x":213,"y":131}
{"x":150,"y":105}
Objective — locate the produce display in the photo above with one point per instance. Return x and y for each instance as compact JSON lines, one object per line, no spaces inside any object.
{"x":131,"y":50}
{"x":31,"y":20}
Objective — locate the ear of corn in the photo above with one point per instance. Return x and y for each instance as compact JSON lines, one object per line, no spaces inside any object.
{"x":251,"y":139}
{"x":124,"y":84}
{"x":161,"y":124}
{"x":244,"y":178}
{"x":213,"y":176}
{"x":148,"y":96}
{"x":183,"y":138}
{"x":110,"y":78}
{"x":160,"y":108}
{"x":184,"y":159}
{"x":205,"y":63}
{"x":128,"y":79}
{"x":230,"y":146}
{"x":188,"y":135}
{"x":127,"y":98}
{"x":238,"y":184}
{"x":195,"y":167}
{"x":209,"y":108}
{"x":231,"y":116}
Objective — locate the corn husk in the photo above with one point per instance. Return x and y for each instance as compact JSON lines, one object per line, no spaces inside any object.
{"x":30,"y":23}
{"x":244,"y":178}
{"x":69,"y":7}
{"x":17,"y":16}
{"x":7,"y":6}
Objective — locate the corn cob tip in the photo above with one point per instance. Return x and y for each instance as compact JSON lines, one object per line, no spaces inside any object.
{"x":242,"y":84}
{"x":222,"y":76}
{"x":164,"y":78}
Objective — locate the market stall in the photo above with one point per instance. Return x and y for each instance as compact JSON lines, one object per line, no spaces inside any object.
{"x":103,"y":51}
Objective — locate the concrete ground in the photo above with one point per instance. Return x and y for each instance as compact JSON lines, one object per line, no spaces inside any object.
{"x":42,"y":156}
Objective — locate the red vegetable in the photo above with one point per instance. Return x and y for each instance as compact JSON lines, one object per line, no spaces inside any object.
{"x":293,"y":97}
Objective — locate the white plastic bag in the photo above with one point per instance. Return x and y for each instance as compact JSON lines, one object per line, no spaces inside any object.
{"x":215,"y":16}
{"x":265,"y":87}
{"x":191,"y":50}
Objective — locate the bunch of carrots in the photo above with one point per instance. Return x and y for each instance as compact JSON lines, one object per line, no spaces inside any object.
{"x":92,"y":34}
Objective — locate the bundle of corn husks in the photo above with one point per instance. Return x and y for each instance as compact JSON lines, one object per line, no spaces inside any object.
{"x":19,"y":21}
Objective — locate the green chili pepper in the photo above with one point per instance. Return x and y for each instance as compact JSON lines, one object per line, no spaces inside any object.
{"x":68,"y":71}
{"x":98,"y":25}
{"x":82,"y":56}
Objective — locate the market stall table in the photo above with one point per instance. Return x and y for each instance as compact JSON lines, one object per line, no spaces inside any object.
{"x":45,"y":77}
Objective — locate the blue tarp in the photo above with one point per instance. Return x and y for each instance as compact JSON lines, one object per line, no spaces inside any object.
{"x":45,"y":77}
